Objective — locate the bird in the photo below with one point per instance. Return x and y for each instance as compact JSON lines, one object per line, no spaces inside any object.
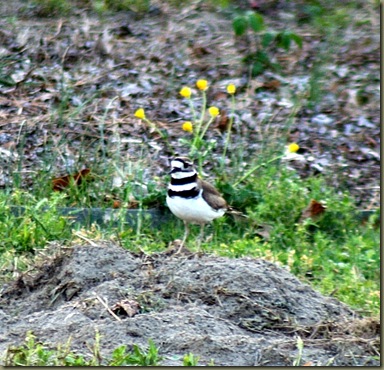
{"x":192,"y":199}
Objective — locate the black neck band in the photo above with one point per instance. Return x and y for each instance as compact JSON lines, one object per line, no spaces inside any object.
{"x":184,"y":193}
{"x":184,"y":180}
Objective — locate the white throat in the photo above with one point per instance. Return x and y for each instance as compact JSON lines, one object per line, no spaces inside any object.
{"x":183,"y":175}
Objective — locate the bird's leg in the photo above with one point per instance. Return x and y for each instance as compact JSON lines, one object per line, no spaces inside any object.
{"x":186,"y":233}
{"x":201,"y":236}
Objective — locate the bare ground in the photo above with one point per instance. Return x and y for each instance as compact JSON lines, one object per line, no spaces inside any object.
{"x":240,"y":312}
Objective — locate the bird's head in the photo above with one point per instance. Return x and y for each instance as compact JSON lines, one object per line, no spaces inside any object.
{"x":182,"y":167}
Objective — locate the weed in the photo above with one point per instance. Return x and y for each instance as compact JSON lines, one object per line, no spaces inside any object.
{"x":139,"y":6}
{"x":190,"y":360}
{"x":198,"y":147}
{"x":35,"y":353}
{"x":259,"y":57}
{"x":46,"y":8}
{"x":300,"y":347}
{"x":31,"y":226}
{"x":6,"y":69}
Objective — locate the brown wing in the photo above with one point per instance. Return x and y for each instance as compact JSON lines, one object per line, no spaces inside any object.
{"x":212,"y":196}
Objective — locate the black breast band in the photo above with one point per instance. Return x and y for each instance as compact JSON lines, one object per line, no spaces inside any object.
{"x":184,"y":193}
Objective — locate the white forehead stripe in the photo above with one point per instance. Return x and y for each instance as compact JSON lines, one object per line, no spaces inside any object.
{"x":176,"y":164}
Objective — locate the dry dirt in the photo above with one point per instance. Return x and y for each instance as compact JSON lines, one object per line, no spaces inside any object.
{"x":239,"y":312}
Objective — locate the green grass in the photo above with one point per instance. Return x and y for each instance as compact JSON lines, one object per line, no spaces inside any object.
{"x":336,"y":254}
{"x":35,"y":353}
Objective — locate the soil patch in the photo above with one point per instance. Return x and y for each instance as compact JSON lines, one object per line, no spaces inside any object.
{"x":236,"y":312}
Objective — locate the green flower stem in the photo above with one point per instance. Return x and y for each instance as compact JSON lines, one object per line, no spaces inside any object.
{"x":164,"y":137}
{"x":152,"y":125}
{"x":228,"y":139}
{"x":252,"y":170}
{"x":206,"y":127}
{"x":192,"y":109}
{"x":203,"y":108}
{"x":102,"y":126}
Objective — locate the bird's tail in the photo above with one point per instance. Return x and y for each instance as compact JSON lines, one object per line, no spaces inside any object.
{"x":235,"y":213}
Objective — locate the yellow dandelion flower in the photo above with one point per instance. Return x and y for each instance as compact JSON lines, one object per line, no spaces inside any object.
{"x":202,"y":84}
{"x":140,"y":113}
{"x":186,"y":92}
{"x":187,"y":126}
{"x":231,"y":89}
{"x":293,"y":148}
{"x":213,"y":111}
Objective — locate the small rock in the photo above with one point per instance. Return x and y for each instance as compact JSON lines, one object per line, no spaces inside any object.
{"x":322,"y":119}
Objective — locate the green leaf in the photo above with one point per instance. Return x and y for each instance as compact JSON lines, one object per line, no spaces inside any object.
{"x":222,"y":3}
{"x":257,"y":68}
{"x":262,"y":57}
{"x":267,"y":39}
{"x":297,"y":40}
{"x":240,"y":25}
{"x":256,"y":21}
{"x":276,"y":67}
{"x":283,"y":40}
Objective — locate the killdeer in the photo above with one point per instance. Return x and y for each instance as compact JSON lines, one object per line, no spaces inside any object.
{"x":191,"y":199}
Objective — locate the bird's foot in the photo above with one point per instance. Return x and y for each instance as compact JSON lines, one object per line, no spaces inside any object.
{"x":177,"y":247}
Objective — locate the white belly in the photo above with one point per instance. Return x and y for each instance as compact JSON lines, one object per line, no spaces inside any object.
{"x":193,"y":210}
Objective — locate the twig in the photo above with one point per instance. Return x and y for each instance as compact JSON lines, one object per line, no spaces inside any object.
{"x":86,"y":239}
{"x":106,"y":307}
{"x":18,"y":83}
{"x":58,"y":31}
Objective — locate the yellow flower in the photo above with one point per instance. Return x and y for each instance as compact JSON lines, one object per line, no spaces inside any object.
{"x":187,"y":126}
{"x":231,"y":89}
{"x":293,"y":148}
{"x":186,"y":92}
{"x":140,"y":113}
{"x":202,"y":84}
{"x":213,"y":111}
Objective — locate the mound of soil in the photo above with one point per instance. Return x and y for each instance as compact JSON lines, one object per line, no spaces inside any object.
{"x":236,"y":312}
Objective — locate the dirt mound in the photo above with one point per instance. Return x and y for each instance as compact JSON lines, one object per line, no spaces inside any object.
{"x":239,"y":312}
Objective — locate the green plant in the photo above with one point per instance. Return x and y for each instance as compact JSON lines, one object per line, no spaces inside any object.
{"x":300,"y":347}
{"x":6,"y":69}
{"x":291,"y":148}
{"x":140,"y":6}
{"x":198,"y":147}
{"x":190,"y":360}
{"x":31,"y":225}
{"x":47,"y":8}
{"x":34,"y":353}
{"x":266,"y":42}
